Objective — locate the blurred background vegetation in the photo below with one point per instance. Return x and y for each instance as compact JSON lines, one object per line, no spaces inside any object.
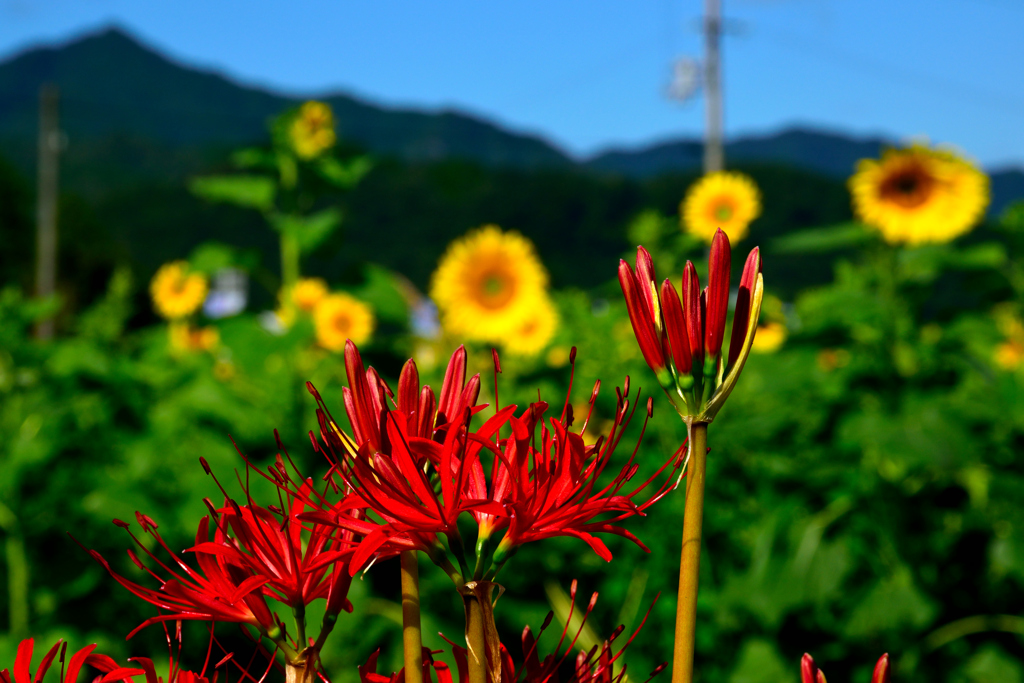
{"x":865,"y":490}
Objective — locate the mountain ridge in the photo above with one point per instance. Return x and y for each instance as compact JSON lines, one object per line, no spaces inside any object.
{"x":154,"y":117}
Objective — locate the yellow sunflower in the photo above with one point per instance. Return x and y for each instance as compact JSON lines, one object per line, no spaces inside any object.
{"x":1009,"y":355}
{"x":177,"y":293}
{"x":769,"y":338}
{"x":312,"y":130}
{"x":722,"y":199}
{"x":308,"y":292}
{"x":532,"y":334}
{"x":487,"y":283}
{"x":339,"y":317}
{"x":916,"y":195}
{"x":185,"y":337}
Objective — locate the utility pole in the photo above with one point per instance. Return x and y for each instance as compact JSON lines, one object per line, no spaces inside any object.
{"x":714,"y":154}
{"x":46,"y":200}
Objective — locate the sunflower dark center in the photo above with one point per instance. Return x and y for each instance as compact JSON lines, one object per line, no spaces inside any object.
{"x":907,"y":184}
{"x":342,"y":322}
{"x":909,"y":188}
{"x":495,"y":288}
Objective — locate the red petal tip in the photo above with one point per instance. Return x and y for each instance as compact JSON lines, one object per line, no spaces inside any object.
{"x":808,"y":669}
{"x":881,"y":674}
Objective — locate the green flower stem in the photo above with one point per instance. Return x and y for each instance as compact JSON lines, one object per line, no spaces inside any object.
{"x":412,"y":639}
{"x":289,"y":261}
{"x":477,"y":659}
{"x":689,"y":561}
{"x":300,"y":625}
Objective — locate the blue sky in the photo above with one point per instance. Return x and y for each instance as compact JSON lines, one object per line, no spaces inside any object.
{"x":589,"y":74}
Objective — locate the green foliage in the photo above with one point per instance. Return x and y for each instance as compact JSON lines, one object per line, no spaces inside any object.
{"x":309,"y":231}
{"x":250,"y":191}
{"x":865,"y":489}
{"x":817,"y":240}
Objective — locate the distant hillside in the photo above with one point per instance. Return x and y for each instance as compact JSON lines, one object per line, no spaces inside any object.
{"x":122,"y":100}
{"x":823,"y":152}
{"x":828,"y":153}
{"x":133,"y":115}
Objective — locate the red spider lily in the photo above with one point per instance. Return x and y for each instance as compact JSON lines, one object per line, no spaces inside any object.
{"x":368,"y":672}
{"x":682,"y":339}
{"x":220,"y":591}
{"x":597,"y":665}
{"x":23,"y":664}
{"x":810,"y":673}
{"x":395,"y":486}
{"x":533,"y":492}
{"x":366,"y":399}
{"x":298,"y":570}
{"x":552,"y":490}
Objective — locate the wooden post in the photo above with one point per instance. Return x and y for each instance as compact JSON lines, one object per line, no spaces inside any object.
{"x":714,"y":154}
{"x":46,"y":200}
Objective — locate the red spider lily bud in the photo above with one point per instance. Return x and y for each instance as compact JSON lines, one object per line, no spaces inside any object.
{"x":718,"y":293}
{"x":809,"y":671}
{"x":881,"y":674}
{"x":648,"y":285}
{"x":359,"y":400}
{"x":425,"y":413}
{"x":689,"y":330}
{"x":454,"y":381}
{"x":641,"y":316}
{"x":693,"y":313}
{"x":741,"y":317}
{"x":675,"y":328}
{"x":120,"y":523}
{"x":408,"y":387}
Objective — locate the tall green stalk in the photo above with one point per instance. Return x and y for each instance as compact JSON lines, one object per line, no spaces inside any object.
{"x":475,"y":639}
{"x":290,"y":256}
{"x":689,"y":561}
{"x":412,"y":639}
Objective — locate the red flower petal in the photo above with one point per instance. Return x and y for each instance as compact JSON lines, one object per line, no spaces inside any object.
{"x":718,"y":293}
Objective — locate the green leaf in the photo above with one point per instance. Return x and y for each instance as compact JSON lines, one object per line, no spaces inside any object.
{"x":831,"y":238}
{"x":979,"y":256}
{"x":991,"y":665}
{"x":253,"y":157}
{"x":383,"y":291}
{"x":926,"y":262}
{"x":210,"y":257}
{"x":106,"y":318}
{"x":894,"y":604}
{"x":1012,"y":218}
{"x":344,"y":174}
{"x":309,"y":231}
{"x":760,"y":662}
{"x":646,"y":227}
{"x":251,"y":191}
